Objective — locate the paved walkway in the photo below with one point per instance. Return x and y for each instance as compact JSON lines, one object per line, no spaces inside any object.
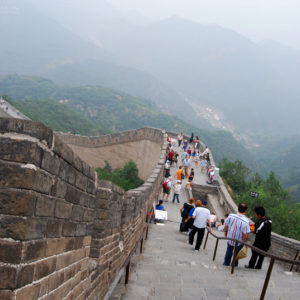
{"x":170,"y":269}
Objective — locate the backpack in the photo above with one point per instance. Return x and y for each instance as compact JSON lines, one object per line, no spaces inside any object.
{"x":165,"y":184}
{"x":182,"y":175}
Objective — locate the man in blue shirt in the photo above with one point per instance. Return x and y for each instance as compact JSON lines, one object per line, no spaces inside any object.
{"x":159,"y":206}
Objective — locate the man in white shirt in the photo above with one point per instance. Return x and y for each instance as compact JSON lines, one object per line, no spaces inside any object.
{"x":177,"y":188}
{"x":201,"y":216}
{"x":205,"y":151}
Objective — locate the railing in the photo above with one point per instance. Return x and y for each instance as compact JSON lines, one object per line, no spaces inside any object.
{"x":272,"y":258}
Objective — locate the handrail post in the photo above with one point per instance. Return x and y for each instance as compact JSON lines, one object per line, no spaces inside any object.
{"x":263,"y":292}
{"x":141,"y":247}
{"x":216,"y":247}
{"x":233,"y":257}
{"x":146,"y":237}
{"x":206,"y":239}
{"x":292,"y":265}
{"x":127,"y":273}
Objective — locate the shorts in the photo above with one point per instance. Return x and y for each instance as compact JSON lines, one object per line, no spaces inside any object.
{"x":166,"y":190}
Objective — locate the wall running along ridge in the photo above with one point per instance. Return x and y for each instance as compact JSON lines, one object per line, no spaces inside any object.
{"x":280,"y":245}
{"x":63,"y":233}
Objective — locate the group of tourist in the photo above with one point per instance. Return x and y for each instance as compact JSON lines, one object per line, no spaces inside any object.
{"x":196,"y":216}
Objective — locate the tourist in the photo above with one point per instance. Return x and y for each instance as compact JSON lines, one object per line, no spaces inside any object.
{"x":203,"y":164}
{"x":177,"y":188}
{"x":236,"y":227}
{"x":167,"y":169}
{"x":263,"y":227}
{"x":185,"y":210}
{"x":179,"y":138}
{"x":191,"y":176}
{"x":192,"y":138}
{"x":205,"y":151}
{"x":180,"y":174}
{"x":170,"y":156}
{"x":196,"y":160}
{"x":175,"y":158}
{"x":189,"y":151}
{"x":159,"y":206}
{"x":213,"y":219}
{"x":166,"y":188}
{"x":169,"y":141}
{"x":186,"y":164}
{"x":185,"y":145}
{"x":201,"y":218}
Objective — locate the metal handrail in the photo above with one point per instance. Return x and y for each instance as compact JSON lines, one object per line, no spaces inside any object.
{"x":273,"y":258}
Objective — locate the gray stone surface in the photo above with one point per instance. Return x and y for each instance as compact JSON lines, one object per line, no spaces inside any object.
{"x":170,"y":269}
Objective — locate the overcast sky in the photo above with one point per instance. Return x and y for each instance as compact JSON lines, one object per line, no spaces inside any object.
{"x":257,"y":19}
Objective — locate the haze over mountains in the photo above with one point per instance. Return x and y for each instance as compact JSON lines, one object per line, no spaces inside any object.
{"x":207,"y":75}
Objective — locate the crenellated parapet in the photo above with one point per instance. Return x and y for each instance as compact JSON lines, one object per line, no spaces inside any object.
{"x":64,"y":233}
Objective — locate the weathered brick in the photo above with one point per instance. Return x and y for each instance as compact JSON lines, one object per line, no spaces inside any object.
{"x":55,"y":246}
{"x":59,"y":188}
{"x":8,"y":277}
{"x":54,"y":228}
{"x":56,"y":279}
{"x":69,"y":229}
{"x":17,"y":203}
{"x":45,"y":206}
{"x":50,"y":163}
{"x":7,"y":295}
{"x":67,"y":172}
{"x":81,"y":230}
{"x":10,"y":251}
{"x":90,"y":187}
{"x":34,"y":129}
{"x":77,"y":213}
{"x":44,"y":287}
{"x":70,"y":272}
{"x":77,"y":162}
{"x":25,"y":275}
{"x":20,"y":151}
{"x":89,"y":215}
{"x":33,"y":250}
{"x":81,"y":181}
{"x":24,"y":176}
{"x":63,"y":210}
{"x":28,"y":292}
{"x":19,"y":228}
{"x":44,"y":268}
{"x":73,"y":195}
{"x":85,"y":199}
{"x":102,"y":203}
{"x":64,"y":260}
{"x":63,"y":150}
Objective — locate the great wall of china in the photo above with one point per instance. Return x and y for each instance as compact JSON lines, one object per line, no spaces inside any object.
{"x":63,"y":233}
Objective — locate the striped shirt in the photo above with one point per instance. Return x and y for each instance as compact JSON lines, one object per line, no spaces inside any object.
{"x":237,"y":225}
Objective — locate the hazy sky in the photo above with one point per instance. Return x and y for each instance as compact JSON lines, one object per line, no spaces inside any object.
{"x":257,"y":19}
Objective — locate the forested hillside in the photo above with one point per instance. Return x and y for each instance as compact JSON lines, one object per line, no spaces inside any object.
{"x":104,"y":110}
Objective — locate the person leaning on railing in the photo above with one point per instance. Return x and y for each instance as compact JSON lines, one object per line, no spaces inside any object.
{"x":236,"y":227}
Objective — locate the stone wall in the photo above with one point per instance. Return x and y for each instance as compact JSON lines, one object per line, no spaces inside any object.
{"x":63,"y":233}
{"x":142,"y":146}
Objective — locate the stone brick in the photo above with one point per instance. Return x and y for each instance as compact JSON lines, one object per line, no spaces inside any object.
{"x":56,"y":279}
{"x":69,"y":272}
{"x":67,"y":172}
{"x":63,"y":150}
{"x":59,"y":189}
{"x":54,"y":228}
{"x":34,"y":129}
{"x":69,"y":229}
{"x":77,"y":162}
{"x":7,"y":277}
{"x":64,"y":260}
{"x":101,"y":203}
{"x":81,"y":230}
{"x":25,"y":275}
{"x":17,"y":203}
{"x":86,"y":199}
{"x":90,"y":187}
{"x":55,"y":246}
{"x":44,"y":268}
{"x":20,"y":151}
{"x":29,"y":292}
{"x":10,"y":251}
{"x":89,"y":215}
{"x":45,"y":206}
{"x":73,"y":195}
{"x":33,"y":250}
{"x":77,"y":213}
{"x":44,"y":287}
{"x":50,"y":163}
{"x":7,"y":295}
{"x":78,"y":242}
{"x":70,"y":244}
{"x":81,"y":181}
{"x":19,"y":228}
{"x":63,"y":210}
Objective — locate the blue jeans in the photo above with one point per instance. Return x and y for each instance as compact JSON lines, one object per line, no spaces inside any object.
{"x":175,"y":196}
{"x":228,"y":254}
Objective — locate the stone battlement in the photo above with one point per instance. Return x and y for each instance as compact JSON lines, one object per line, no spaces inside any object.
{"x":63,"y":233}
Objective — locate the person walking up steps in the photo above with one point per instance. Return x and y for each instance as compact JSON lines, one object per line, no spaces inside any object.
{"x":186,"y":163}
{"x":201,"y":218}
{"x":166,"y":188}
{"x":236,"y":227}
{"x":180,"y":174}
